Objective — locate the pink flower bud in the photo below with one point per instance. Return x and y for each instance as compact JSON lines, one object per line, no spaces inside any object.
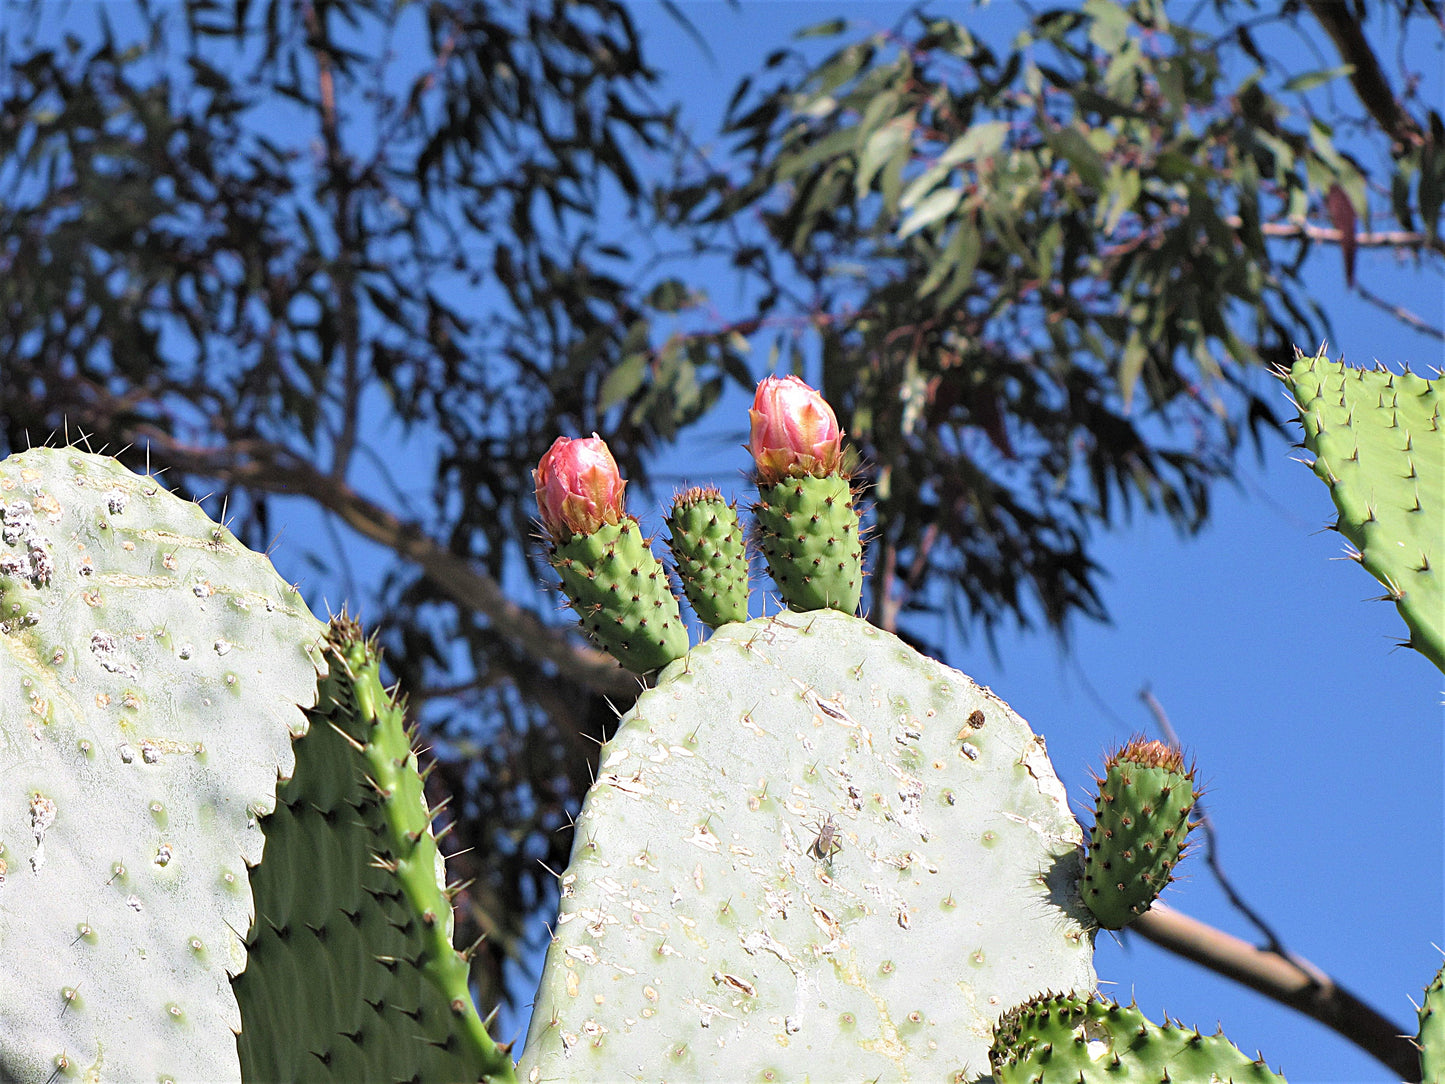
{"x":794,"y":431}
{"x":578,"y":487}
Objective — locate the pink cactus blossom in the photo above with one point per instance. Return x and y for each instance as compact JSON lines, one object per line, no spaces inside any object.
{"x":578,"y":487}
{"x":794,"y":431}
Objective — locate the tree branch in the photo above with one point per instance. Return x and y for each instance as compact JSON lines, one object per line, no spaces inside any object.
{"x":1293,"y":982}
{"x":258,"y":467}
{"x":1287,"y":231}
{"x":1368,"y":78}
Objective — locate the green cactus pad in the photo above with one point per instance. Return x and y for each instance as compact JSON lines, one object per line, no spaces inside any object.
{"x":1431,"y":1037}
{"x":1141,"y":822}
{"x":150,"y":670}
{"x":351,"y":974}
{"x":808,"y":529}
{"x":810,"y":854}
{"x":621,"y":593}
{"x":707,"y":545}
{"x":1067,"y":1039}
{"x":1378,"y":439}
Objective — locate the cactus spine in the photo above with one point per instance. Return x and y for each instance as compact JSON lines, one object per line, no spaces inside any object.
{"x":712,"y":563}
{"x":1141,"y":823}
{"x":1071,"y":1039}
{"x":1378,"y":439}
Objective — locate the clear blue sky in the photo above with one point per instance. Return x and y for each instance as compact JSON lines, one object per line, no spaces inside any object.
{"x":1321,"y":743}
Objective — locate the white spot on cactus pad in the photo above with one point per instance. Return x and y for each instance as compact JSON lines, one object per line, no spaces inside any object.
{"x":42,"y":815}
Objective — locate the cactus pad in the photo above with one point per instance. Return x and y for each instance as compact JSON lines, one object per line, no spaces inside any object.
{"x":707,"y":546}
{"x":351,"y":974}
{"x":811,"y":854}
{"x":1431,"y":1038}
{"x":1378,"y":439}
{"x":808,"y":529}
{"x":621,"y":593}
{"x":150,"y":668}
{"x":1066,"y":1039}
{"x":1141,"y":822}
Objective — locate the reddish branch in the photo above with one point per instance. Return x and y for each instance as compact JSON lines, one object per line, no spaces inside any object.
{"x":1293,"y":982}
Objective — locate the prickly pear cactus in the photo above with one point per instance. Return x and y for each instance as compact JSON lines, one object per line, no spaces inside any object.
{"x":811,"y":854}
{"x":622,"y":596}
{"x":712,"y":562}
{"x":1070,"y":1039}
{"x":1378,"y":439}
{"x":808,"y":529}
{"x":1141,"y":824}
{"x":150,"y":672}
{"x":351,"y":975}
{"x":1431,"y":1038}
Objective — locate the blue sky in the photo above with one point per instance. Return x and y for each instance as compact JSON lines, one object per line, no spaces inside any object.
{"x":1319,"y":741}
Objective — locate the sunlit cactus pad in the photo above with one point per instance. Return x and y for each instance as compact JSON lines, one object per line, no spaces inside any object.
{"x":1078,"y":1039}
{"x":150,"y":670}
{"x":1378,"y":439}
{"x":811,"y":854}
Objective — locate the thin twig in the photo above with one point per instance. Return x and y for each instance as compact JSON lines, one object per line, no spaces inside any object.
{"x":1330,"y":235}
{"x":1399,"y":312}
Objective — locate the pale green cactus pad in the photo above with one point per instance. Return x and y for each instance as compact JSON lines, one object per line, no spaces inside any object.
{"x":811,"y":854}
{"x":150,"y":672}
{"x":1378,"y":439}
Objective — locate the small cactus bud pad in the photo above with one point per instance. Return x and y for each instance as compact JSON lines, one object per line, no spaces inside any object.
{"x":1378,"y":439}
{"x":802,"y":860}
{"x":620,"y":592}
{"x":1068,"y":1039}
{"x":150,"y":672}
{"x":808,"y":529}
{"x":1141,"y":821}
{"x":712,"y":562}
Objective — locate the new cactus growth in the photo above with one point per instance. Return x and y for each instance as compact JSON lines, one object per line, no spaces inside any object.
{"x":807,"y":525}
{"x":712,"y":563}
{"x":1431,"y":1036}
{"x":1378,"y":439}
{"x":149,"y":682}
{"x":811,"y":853}
{"x":1141,"y":822}
{"x":351,"y":975}
{"x":1072,"y":1039}
{"x":608,"y":571}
